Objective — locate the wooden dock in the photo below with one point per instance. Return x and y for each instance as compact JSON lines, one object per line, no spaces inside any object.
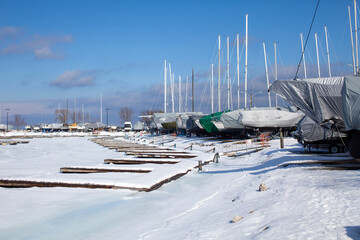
{"x":101,"y":170}
{"x":164,"y":155}
{"x":11,"y":183}
{"x":136,"y":161}
{"x":3,"y":143}
{"x":135,"y":152}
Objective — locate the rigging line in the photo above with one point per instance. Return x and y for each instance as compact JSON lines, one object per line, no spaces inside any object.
{"x":156,"y":96}
{"x":336,"y":57}
{"x":323,"y":52}
{"x":312,"y":61}
{"x":202,"y":98}
{"x":282,"y":64}
{"x":214,"y":53}
{"x":307,"y":38}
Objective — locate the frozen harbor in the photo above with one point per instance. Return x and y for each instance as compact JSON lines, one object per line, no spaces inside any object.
{"x":303,"y":201}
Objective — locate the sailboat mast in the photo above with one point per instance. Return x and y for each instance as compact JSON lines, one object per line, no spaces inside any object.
{"x":276,"y":74}
{"x":356,"y":37}
{"x":219,"y":82}
{"x":180,"y":97}
{"x":303,"y":53}
{"x":267,"y":75}
{"x":327,"y":50}
{"x":212,"y":88}
{"x":317,"y":54}
{"x":186,"y":94}
{"x":352,"y":41}
{"x":172,"y":92}
{"x":228,"y":72}
{"x":165,"y":81}
{"x":101,"y":107}
{"x":238,"y":69}
{"x":246,"y":58}
{"x":193,"y":97}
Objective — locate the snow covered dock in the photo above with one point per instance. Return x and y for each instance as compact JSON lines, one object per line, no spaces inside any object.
{"x":305,"y":198}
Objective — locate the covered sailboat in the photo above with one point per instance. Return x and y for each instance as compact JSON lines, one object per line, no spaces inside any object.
{"x":270,"y":118}
{"x":182,"y":119}
{"x":332,"y":102}
{"x":207,"y":122}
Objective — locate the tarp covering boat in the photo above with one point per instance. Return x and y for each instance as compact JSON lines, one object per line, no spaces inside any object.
{"x":193,"y":123}
{"x":318,"y":98}
{"x":267,"y":117}
{"x":182,"y":119}
{"x":207,"y":122}
{"x":351,"y":103}
{"x":160,"y":118}
{"x":331,"y":102}
{"x":310,"y":131}
{"x":275,"y":117}
{"x":230,"y":120}
{"x":169,"y":119}
{"x":138,"y":126}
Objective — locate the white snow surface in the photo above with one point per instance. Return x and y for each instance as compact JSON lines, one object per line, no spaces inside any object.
{"x":300,"y":203}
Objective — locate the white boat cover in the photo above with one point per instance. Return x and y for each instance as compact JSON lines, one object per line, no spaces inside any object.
{"x":160,"y":118}
{"x":230,"y":119}
{"x":274,"y":117}
{"x":138,"y":126}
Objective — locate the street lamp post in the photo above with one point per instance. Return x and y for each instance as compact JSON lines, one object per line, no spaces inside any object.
{"x":7,"y":119}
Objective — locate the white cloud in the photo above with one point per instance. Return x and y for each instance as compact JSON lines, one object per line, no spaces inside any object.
{"x":76,"y":78}
{"x":46,"y":52}
{"x":9,"y":32}
{"x":40,"y":46}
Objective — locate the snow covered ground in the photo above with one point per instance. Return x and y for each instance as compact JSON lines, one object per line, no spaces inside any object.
{"x":300,"y":203}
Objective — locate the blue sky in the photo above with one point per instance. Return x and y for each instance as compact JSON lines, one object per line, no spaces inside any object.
{"x":51,"y":51}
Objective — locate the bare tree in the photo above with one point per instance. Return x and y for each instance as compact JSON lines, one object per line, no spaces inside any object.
{"x":18,"y":121}
{"x":61,"y":115}
{"x":125,"y":114}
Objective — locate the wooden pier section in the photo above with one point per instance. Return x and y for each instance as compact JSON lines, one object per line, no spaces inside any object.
{"x":136,"y":161}
{"x":13,"y":142}
{"x":101,"y":170}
